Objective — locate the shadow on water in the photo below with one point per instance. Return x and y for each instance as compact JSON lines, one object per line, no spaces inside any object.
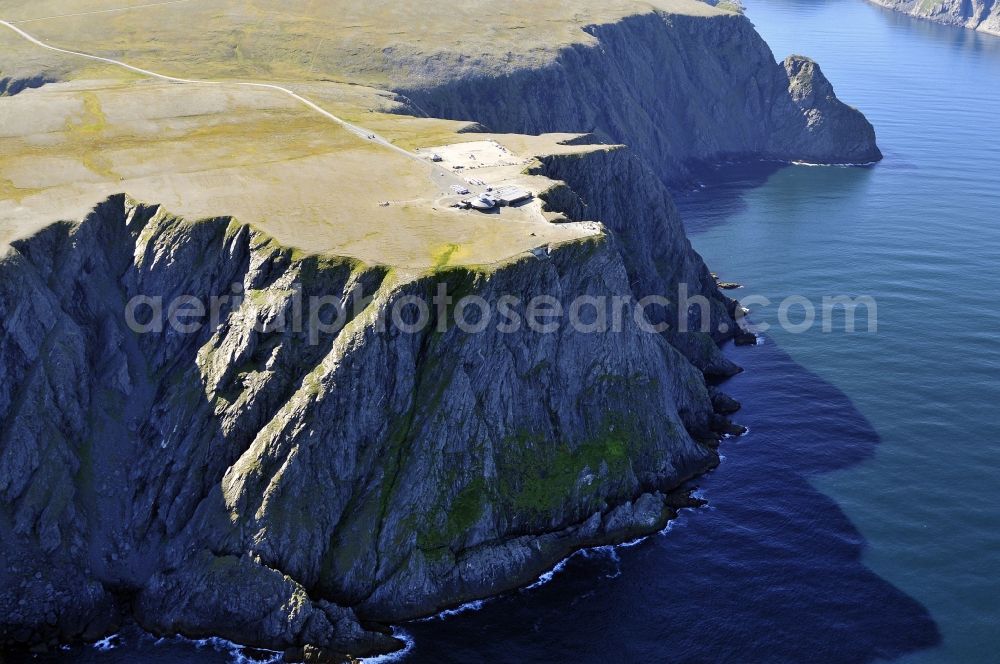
{"x":724,"y":193}
{"x":769,"y":571}
{"x":728,"y":184}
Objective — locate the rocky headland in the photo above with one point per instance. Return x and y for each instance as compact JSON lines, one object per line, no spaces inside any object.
{"x":246,"y":483}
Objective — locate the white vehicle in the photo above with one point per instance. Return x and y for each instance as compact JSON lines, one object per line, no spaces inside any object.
{"x":459,"y":189}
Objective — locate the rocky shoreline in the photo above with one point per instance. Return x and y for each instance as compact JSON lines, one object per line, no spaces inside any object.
{"x":979,"y":15}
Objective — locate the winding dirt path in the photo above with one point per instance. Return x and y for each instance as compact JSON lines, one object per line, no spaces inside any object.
{"x":361,"y":132}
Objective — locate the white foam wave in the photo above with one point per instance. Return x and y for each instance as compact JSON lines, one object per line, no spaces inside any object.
{"x":238,"y":654}
{"x":551,"y":574}
{"x":636,"y":542}
{"x":474,"y":605}
{"x":236,"y":651}
{"x":815,"y":165}
{"x":397,"y":656}
{"x":108,"y":643}
{"x":735,"y":435}
{"x":609,"y":550}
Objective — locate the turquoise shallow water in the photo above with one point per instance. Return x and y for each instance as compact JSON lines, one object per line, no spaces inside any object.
{"x":919,"y":232}
{"x":859,"y":520}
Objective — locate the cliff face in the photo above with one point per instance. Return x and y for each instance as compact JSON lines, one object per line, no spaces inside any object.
{"x":681,"y":90}
{"x":251,"y":482}
{"x":622,"y":192}
{"x":375,"y":474}
{"x":981,"y":15}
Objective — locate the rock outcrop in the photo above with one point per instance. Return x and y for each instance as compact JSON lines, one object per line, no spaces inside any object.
{"x":683,"y":91}
{"x":981,"y":15}
{"x":10,"y":86}
{"x":241,"y":481}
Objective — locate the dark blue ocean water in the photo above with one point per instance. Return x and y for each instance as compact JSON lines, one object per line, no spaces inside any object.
{"x":858,"y":521}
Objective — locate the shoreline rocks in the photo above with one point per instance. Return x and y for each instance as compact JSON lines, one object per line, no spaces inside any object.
{"x":980,"y":15}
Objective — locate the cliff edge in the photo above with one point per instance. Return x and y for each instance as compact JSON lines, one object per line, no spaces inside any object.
{"x":683,"y":91}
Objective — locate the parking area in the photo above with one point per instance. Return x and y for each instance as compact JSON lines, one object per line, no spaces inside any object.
{"x":471,"y":156}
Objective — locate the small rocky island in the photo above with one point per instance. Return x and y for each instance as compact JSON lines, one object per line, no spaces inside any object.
{"x":304,"y":495}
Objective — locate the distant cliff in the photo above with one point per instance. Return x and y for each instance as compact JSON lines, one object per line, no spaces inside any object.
{"x":683,"y":91}
{"x":981,"y":15}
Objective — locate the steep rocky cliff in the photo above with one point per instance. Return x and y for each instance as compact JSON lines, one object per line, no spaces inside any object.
{"x":250,"y":481}
{"x":244,"y":482}
{"x":621,"y":191}
{"x":981,"y":15}
{"x":682,"y":91}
